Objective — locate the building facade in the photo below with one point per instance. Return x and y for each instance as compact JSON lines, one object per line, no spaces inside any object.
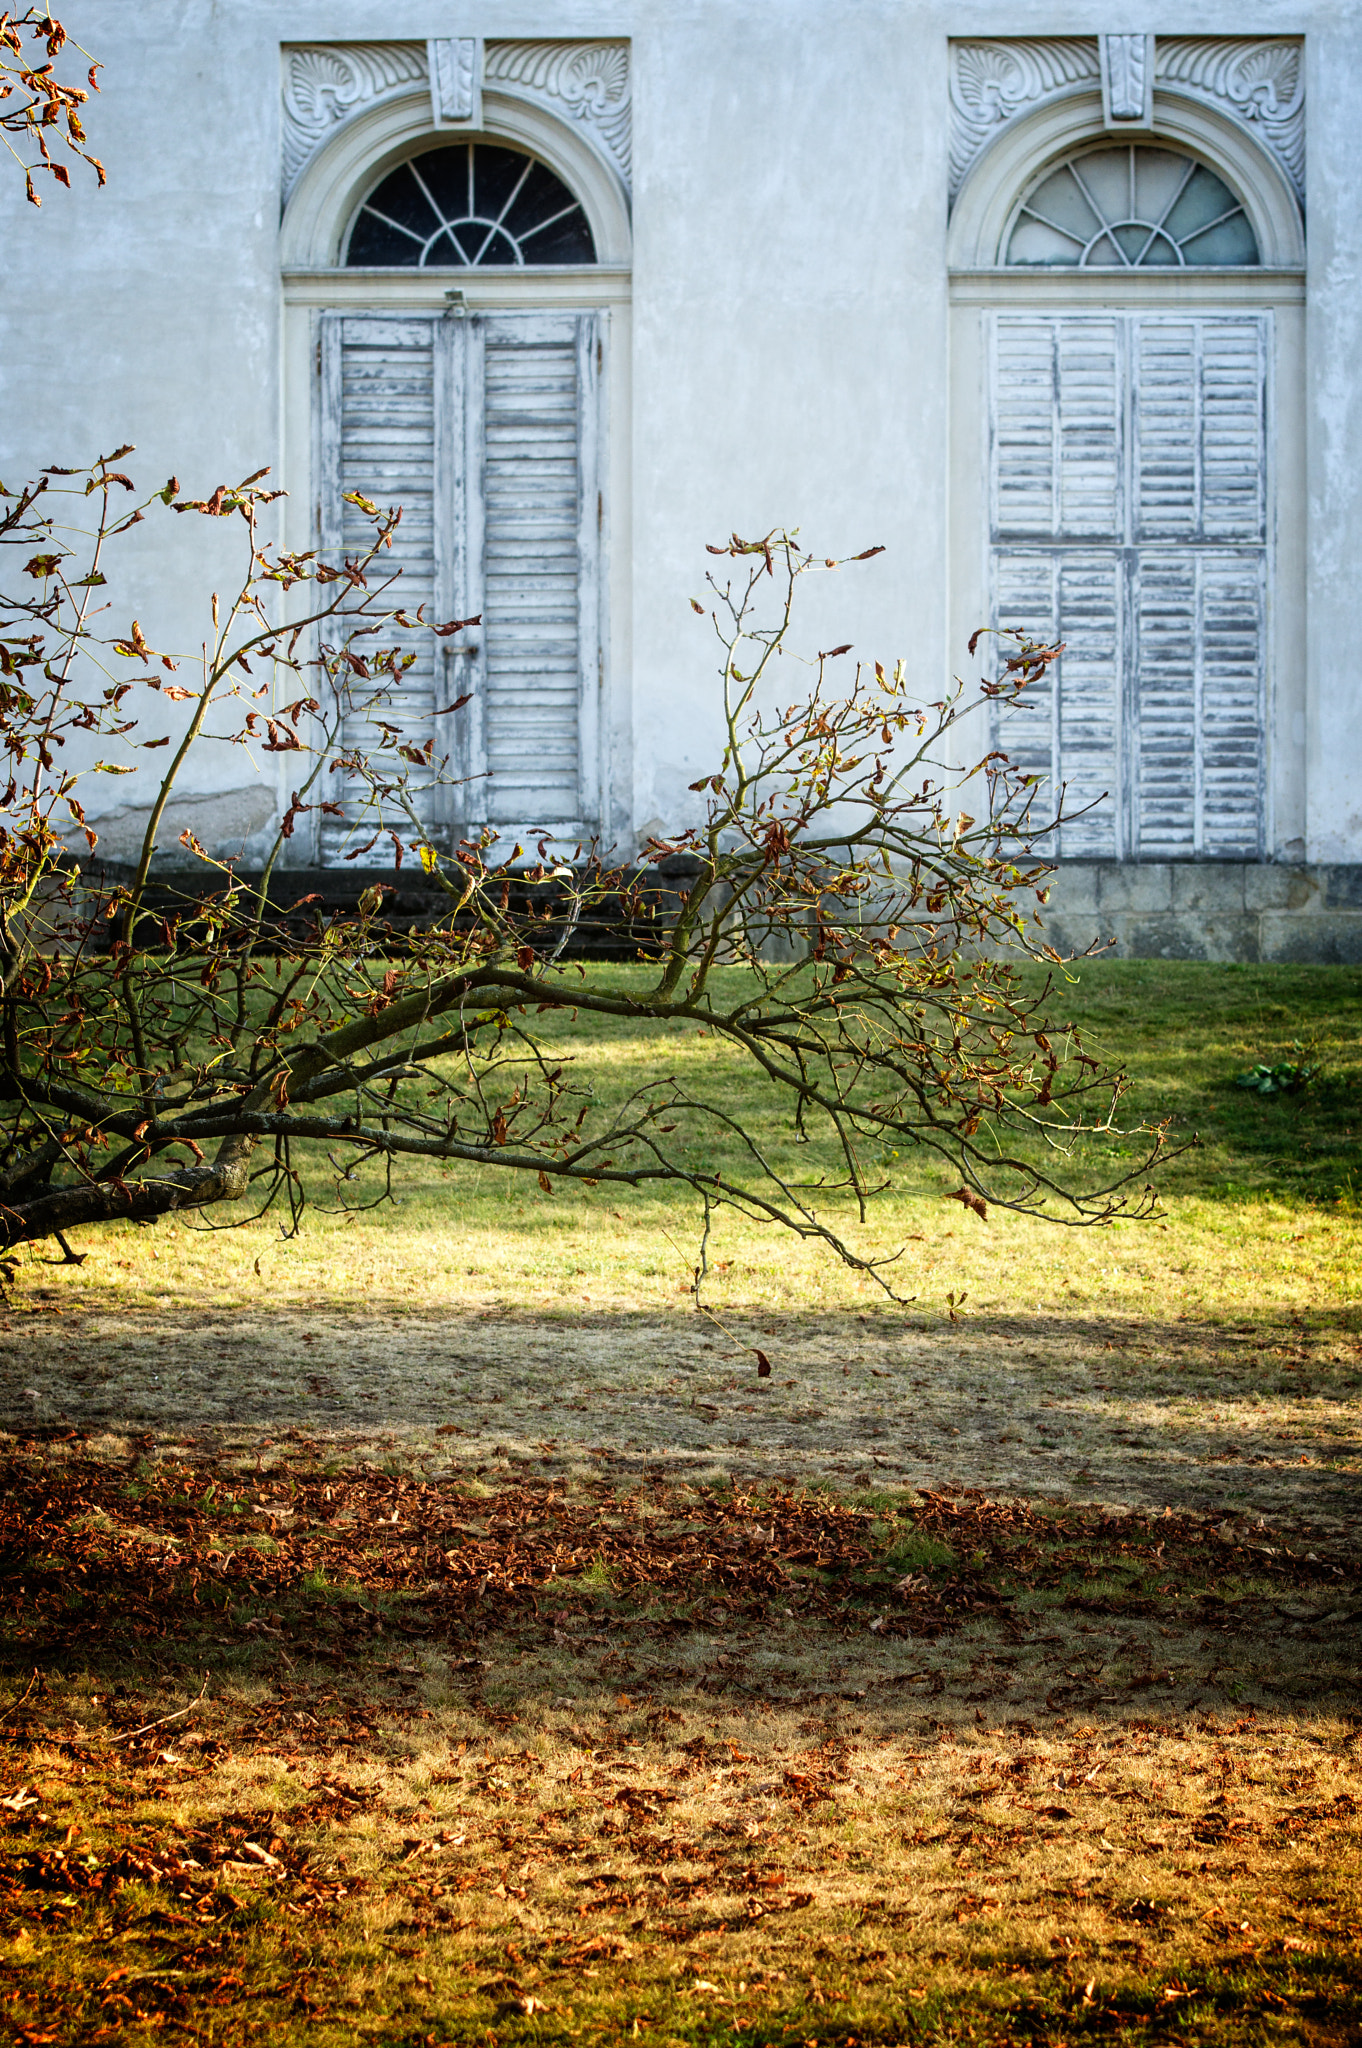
{"x":1068,"y":317}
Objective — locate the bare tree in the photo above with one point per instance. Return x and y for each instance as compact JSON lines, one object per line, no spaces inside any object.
{"x":170,"y":1041}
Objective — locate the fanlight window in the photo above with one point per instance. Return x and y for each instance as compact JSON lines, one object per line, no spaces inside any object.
{"x":1132,"y":207}
{"x":467,"y":205}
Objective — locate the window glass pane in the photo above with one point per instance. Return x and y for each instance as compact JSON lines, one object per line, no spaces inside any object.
{"x":498,"y":172}
{"x":374,"y":241}
{"x":1133,"y":204}
{"x":447,"y":175}
{"x":1060,"y":200}
{"x":1159,"y":175}
{"x":1229,"y":242}
{"x":1204,"y":198}
{"x":1160,"y":253}
{"x":471,"y":204}
{"x":1034,"y":242}
{"x":1105,"y":175}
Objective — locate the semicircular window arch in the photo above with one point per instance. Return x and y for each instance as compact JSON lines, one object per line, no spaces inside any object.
{"x":470,"y":205}
{"x":1131,"y":206}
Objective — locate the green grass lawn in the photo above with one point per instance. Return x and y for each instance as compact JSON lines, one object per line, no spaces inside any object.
{"x":1263,"y":1207}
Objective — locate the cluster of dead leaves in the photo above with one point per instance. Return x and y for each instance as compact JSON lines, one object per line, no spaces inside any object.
{"x":196,"y":1547}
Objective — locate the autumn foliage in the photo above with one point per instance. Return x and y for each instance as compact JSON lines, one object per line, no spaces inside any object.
{"x":171,"y":1042}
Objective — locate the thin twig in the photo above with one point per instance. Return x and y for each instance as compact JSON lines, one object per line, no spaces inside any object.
{"x":15,"y":1706}
{"x":147,"y":1728}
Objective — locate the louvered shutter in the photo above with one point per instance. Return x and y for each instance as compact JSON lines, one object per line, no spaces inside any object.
{"x":1166,"y":681}
{"x":1058,"y":427}
{"x":538,"y":547}
{"x":1067,"y":726}
{"x":484,"y":430}
{"x":1197,"y":408}
{"x":379,"y":438}
{"x":1159,"y":697}
{"x":1198,"y":479}
{"x":1231,"y":604}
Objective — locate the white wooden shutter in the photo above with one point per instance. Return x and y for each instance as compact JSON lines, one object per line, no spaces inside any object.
{"x":1067,"y":727}
{"x":484,"y":429}
{"x":534,"y":377}
{"x":1231,"y":604}
{"x":1167,"y":693}
{"x":1160,"y":695}
{"x":1199,"y":479}
{"x":1057,"y":426}
{"x":380,"y":436}
{"x":1197,"y":406}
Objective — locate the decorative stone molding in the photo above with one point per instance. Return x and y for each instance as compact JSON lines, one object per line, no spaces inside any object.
{"x":455,"y":94}
{"x":586,"y":83}
{"x":324,"y":84}
{"x":990,"y":82}
{"x":1127,"y":81}
{"x":1258,"y":82}
{"x":1255,"y":79}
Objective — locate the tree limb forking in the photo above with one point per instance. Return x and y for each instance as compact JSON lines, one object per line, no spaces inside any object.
{"x":841,"y":923}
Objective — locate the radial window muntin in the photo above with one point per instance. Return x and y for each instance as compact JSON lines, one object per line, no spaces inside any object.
{"x":1102,"y":197}
{"x":470,"y":205}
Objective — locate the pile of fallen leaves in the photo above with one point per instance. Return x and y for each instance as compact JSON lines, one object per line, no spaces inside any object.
{"x":97,"y":1552}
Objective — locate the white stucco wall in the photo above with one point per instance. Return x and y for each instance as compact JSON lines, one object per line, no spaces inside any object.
{"x":788,"y":346}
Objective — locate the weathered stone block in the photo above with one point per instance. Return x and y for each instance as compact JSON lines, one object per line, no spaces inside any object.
{"x":1330,"y":938}
{"x":1269,"y":887}
{"x":1189,"y":936}
{"x":1342,"y":885}
{"x":1213,"y":887}
{"x":1075,"y":934}
{"x":1145,"y":886}
{"x":1073,"y":888}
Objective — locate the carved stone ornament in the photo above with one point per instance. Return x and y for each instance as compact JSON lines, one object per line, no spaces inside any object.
{"x":584,"y":83}
{"x":993,"y":81}
{"x":325,"y":83}
{"x":587,"y":83}
{"x":1259,"y":80}
{"x":454,"y":82}
{"x":1127,"y":81}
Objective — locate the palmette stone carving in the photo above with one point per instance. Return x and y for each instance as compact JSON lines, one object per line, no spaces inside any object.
{"x":325,"y":83}
{"x":990,"y":82}
{"x":1259,"y":80}
{"x":587,"y":83}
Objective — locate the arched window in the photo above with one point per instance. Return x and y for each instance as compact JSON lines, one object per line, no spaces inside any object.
{"x":1133,"y":206}
{"x":470,"y":205}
